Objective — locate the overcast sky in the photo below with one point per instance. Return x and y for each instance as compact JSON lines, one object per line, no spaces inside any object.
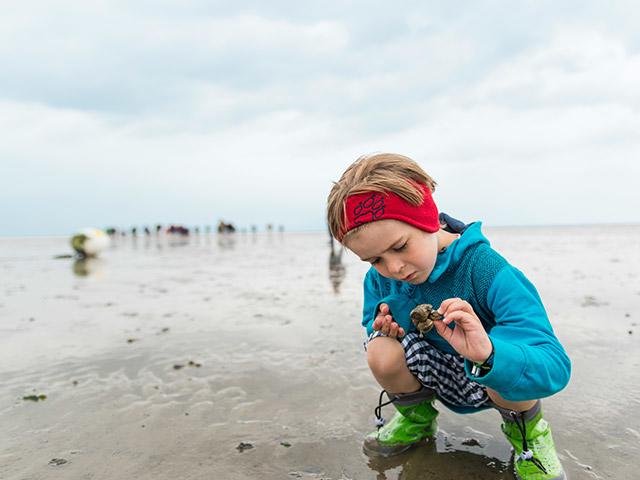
{"x":130,"y":113}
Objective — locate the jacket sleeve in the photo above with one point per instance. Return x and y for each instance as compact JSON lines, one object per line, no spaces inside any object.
{"x":529,"y":361}
{"x":372,"y":298}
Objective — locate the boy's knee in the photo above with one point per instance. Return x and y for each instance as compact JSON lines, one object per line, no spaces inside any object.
{"x":385,"y":356}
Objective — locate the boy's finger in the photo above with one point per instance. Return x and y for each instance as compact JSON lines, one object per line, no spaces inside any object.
{"x":379,"y":322}
{"x":460,"y":306}
{"x":384,"y":329}
{"x":445,"y":305}
{"x":384,"y":308}
{"x":455,"y":304}
{"x":390,"y":323}
{"x":442,"y":329}
{"x":460,"y":317}
{"x":393,"y":330}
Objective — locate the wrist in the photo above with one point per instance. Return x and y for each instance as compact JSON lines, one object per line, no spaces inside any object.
{"x":487,"y":353}
{"x":481,"y":368}
{"x":483,"y":352}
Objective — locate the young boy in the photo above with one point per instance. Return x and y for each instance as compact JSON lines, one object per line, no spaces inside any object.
{"x":494,"y":348}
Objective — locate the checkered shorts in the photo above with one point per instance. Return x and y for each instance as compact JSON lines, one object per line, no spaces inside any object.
{"x":440,"y":371}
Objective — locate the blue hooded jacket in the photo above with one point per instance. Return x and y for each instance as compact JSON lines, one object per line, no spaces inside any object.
{"x":529,"y":361}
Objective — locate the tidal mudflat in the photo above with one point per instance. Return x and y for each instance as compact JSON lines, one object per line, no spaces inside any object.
{"x":240,"y":357}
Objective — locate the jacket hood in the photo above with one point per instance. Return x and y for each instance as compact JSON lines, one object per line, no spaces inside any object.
{"x":471,"y":236}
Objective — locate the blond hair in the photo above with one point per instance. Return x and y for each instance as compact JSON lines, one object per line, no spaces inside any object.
{"x":380,"y":172}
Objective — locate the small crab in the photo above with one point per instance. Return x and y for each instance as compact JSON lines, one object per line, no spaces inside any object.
{"x":423,"y":316}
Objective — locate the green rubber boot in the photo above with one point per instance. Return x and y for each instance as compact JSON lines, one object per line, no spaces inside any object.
{"x":414,"y":421}
{"x":534,"y":453}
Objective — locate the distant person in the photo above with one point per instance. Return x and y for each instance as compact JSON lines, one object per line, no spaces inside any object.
{"x":178,"y":230}
{"x":224,"y":227}
{"x":494,"y":348}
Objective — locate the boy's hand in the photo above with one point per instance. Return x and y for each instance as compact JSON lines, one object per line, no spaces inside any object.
{"x":468,"y":337}
{"x":385,"y":324}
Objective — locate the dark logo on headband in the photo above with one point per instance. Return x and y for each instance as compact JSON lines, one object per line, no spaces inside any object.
{"x":368,"y":210}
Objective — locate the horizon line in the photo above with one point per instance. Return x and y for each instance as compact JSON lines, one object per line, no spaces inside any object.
{"x":319,"y":230}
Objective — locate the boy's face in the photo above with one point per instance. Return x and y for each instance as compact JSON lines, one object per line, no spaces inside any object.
{"x":396,"y":250}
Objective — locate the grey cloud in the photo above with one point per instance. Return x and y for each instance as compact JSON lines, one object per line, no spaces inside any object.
{"x":162,"y":101}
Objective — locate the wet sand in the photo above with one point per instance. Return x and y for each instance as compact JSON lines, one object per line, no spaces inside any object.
{"x":159,"y":359}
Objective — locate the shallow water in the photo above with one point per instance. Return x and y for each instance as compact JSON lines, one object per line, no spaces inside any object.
{"x":273,"y":323}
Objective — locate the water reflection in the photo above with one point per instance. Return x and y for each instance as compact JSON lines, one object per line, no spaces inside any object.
{"x":337,"y":270}
{"x":427,"y":461}
{"x":176,"y":240}
{"x":226,"y":241}
{"x":83,"y":267}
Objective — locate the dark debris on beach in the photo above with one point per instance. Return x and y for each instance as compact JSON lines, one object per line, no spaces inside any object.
{"x":191,"y":363}
{"x":242,"y":446}
{"x":35,"y":398}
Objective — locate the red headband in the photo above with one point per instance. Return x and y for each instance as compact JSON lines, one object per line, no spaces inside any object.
{"x":368,"y":207}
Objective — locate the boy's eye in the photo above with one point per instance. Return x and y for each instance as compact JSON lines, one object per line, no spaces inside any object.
{"x":399,"y":249}
{"x":374,"y":261}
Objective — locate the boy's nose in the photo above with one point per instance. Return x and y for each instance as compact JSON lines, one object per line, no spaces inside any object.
{"x":396,"y":267}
